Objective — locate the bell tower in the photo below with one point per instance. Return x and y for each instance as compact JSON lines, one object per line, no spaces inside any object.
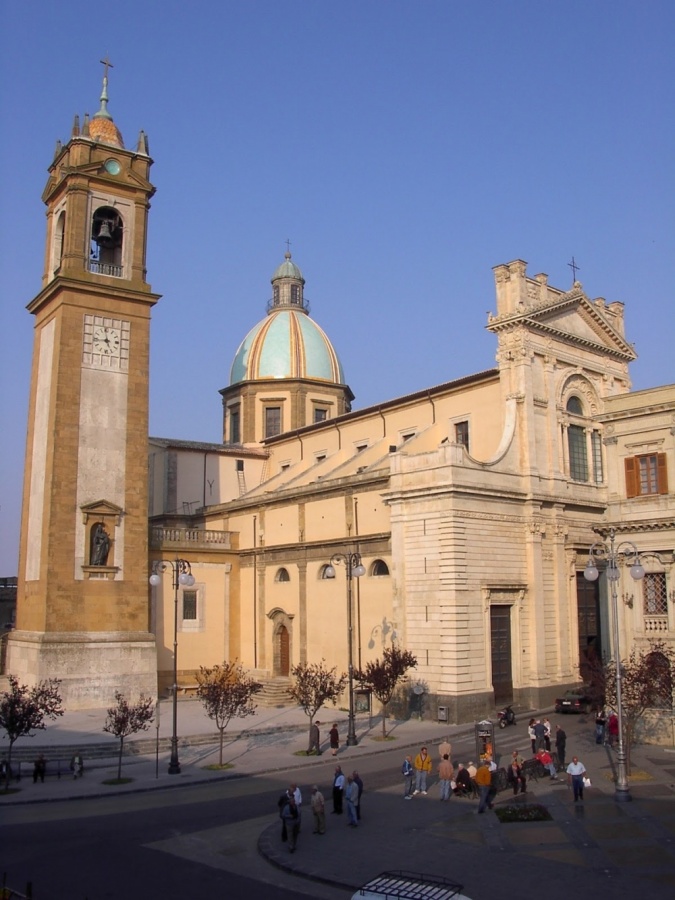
{"x":82,"y":607}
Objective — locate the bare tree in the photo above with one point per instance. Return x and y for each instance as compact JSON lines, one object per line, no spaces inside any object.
{"x":646,"y":682}
{"x":383,"y":675}
{"x":24,"y":709}
{"x":226,"y":692}
{"x":128,"y":718}
{"x":316,"y":685}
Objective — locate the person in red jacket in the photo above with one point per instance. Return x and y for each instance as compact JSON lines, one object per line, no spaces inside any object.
{"x":546,"y":760}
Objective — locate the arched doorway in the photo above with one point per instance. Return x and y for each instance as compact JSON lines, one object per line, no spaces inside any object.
{"x":282,"y":652}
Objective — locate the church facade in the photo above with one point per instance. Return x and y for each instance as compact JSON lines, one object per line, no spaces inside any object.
{"x":471,"y":505}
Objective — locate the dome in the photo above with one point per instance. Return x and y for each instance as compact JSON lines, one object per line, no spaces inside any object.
{"x":102,"y":128}
{"x":288,"y":269}
{"x":286,"y":344}
{"x":105,"y":132}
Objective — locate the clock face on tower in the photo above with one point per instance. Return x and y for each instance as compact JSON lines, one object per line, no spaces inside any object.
{"x":106,"y":340}
{"x":106,"y":343}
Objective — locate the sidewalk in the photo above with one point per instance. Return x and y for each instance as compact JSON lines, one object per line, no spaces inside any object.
{"x":601,"y":845}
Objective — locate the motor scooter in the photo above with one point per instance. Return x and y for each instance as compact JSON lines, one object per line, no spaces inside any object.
{"x":506,"y":717}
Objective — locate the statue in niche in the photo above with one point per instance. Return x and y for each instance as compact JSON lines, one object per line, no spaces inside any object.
{"x":100,"y":545}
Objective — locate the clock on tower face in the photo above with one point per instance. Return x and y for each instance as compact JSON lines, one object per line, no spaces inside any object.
{"x":106,"y":340}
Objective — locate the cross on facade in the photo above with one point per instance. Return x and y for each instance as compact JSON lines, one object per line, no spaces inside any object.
{"x":575,"y":268}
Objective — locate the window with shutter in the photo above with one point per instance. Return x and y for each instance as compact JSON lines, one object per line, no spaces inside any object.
{"x":646,"y":475}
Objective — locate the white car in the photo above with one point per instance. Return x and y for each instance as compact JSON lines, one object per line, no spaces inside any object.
{"x":401,"y":885}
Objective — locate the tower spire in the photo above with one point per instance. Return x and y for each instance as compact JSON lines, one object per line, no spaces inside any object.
{"x":103,"y":111}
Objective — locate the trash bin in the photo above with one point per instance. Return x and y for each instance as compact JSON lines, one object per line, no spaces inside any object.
{"x":442,"y":713}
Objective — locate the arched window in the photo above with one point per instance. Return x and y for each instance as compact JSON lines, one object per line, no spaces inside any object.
{"x":379,"y":568}
{"x":576,"y":442}
{"x":59,"y":231}
{"x":282,"y":575}
{"x":107,"y":237}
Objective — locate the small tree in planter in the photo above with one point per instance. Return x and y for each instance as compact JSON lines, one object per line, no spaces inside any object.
{"x":226,"y":692}
{"x":128,"y":718}
{"x":647,"y":681}
{"x":316,"y":685}
{"x":383,"y":675}
{"x":24,"y":709}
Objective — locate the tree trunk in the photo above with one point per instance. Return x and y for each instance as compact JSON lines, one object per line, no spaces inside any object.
{"x":119,"y":761}
{"x":384,"y":720}
{"x":222,"y":735}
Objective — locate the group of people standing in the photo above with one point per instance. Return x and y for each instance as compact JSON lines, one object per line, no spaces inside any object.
{"x":346,"y":792}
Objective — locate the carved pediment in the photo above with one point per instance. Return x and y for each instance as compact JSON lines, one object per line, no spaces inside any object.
{"x":101,"y":509}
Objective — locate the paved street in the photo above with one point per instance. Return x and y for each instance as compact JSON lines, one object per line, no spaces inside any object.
{"x":202,"y":833}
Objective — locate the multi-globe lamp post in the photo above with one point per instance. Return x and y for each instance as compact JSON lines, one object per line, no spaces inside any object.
{"x":613,"y":555}
{"x":182,"y":577}
{"x":355,"y":569}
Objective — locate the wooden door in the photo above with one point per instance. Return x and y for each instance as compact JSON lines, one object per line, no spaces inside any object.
{"x":284,"y":651}
{"x":590,"y":632}
{"x":500,"y":641}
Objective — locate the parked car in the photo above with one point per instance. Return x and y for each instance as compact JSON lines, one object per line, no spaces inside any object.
{"x":399,"y":884}
{"x":574,"y":701}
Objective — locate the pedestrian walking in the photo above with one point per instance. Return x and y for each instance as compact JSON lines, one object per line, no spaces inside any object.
{"x":560,"y":744}
{"x":334,"y":738}
{"x":613,"y":729}
{"x":600,"y":723}
{"x":338,"y":790}
{"x":352,"y":797}
{"x":39,"y":769}
{"x":422,"y":769}
{"x":408,"y":773}
{"x":483,"y":781}
{"x":359,"y":783}
{"x":318,"y":806}
{"x":314,"y":739}
{"x":576,"y":772}
{"x":445,"y":773}
{"x":77,"y":765}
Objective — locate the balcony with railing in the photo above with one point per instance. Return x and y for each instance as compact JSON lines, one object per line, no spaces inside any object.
{"x":166,"y":538}
{"x":99,"y":268}
{"x":656,"y":624}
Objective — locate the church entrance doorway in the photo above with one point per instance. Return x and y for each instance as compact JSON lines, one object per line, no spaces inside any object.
{"x":500,"y":641}
{"x":590,"y":636}
{"x":283,"y":654}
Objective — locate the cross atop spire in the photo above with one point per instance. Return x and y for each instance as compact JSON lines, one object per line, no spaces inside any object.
{"x":103,"y":111}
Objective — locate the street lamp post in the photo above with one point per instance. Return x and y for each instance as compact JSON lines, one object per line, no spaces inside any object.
{"x":182,"y":577}
{"x":355,"y":569}
{"x":614,"y":554}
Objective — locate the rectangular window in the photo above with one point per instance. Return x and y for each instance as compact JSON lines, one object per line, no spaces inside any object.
{"x":320,"y":415}
{"x":596,"y":446}
{"x":235,"y":435}
{"x":646,"y":475}
{"x":190,"y":606}
{"x":272,"y":421}
{"x":462,"y":434}
{"x":576,"y":437}
{"x":654,"y":594}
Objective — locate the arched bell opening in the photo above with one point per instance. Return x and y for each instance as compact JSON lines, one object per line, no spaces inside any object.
{"x":107,"y":241}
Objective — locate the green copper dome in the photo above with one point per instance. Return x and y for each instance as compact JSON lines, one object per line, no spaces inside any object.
{"x":287,"y":343}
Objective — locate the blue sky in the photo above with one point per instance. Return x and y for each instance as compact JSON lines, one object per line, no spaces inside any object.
{"x":405,"y":148}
